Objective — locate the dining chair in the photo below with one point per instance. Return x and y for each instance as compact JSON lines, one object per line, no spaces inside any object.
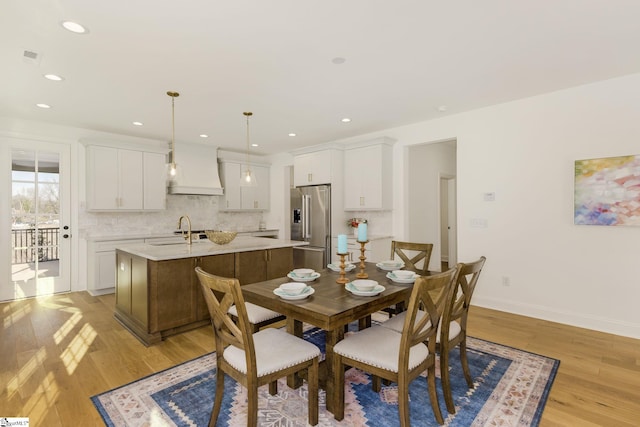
{"x":400,"y":358}
{"x":452,"y":330}
{"x":411,"y":254}
{"x":253,"y":359}
{"x":258,"y":316}
{"x":405,"y":251}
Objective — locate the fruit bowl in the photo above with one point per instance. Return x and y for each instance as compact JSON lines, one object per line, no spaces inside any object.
{"x":221,"y":237}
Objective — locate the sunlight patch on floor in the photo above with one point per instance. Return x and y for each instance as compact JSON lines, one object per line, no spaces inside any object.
{"x":40,"y":403}
{"x":68,"y":326}
{"x":29,"y":368}
{"x":14,"y":317}
{"x":78,"y":347}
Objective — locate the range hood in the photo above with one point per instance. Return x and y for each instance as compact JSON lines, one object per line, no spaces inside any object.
{"x":197,"y":166}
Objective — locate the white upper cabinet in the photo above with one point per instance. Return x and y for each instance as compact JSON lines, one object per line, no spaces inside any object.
{"x":368,"y":176}
{"x":121,"y":179}
{"x":314,"y":168}
{"x":237,"y":198}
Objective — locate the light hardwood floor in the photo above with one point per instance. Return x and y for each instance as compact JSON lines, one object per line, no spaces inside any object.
{"x":56,"y":352}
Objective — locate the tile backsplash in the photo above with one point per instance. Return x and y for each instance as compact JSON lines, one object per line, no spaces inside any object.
{"x":202,"y":210}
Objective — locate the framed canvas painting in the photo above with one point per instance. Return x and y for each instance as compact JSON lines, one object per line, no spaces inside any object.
{"x":607,"y":191}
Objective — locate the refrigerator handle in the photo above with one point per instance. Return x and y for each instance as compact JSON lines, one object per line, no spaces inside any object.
{"x":306,"y":213}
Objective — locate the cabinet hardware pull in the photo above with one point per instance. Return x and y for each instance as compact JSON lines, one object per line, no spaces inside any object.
{"x":310,"y":177}
{"x":361,"y":201}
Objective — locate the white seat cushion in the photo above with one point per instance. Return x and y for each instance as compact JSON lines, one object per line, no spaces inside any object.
{"x":275,"y":350}
{"x":255,"y":313}
{"x":396,"y":323}
{"x":379,"y":347}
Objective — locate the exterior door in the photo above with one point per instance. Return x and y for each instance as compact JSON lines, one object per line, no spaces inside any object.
{"x":37,"y":244}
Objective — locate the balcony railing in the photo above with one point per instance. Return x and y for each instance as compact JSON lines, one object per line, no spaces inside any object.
{"x":29,"y":244}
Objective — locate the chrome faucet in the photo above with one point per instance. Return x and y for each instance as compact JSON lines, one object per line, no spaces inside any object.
{"x":188,"y":236}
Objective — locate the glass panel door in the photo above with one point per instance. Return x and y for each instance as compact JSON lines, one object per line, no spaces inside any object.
{"x":39,"y":221}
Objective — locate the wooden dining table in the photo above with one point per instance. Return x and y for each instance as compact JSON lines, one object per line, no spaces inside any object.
{"x":330,"y":308}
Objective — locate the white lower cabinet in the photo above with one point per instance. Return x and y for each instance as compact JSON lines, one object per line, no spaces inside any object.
{"x":101,"y":265}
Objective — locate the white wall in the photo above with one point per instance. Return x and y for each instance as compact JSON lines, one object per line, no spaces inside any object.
{"x":524,"y":151}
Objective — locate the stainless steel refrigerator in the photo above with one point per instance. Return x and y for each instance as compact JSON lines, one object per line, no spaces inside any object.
{"x":311,"y":222}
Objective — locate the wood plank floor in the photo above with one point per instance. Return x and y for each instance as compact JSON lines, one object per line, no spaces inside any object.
{"x":56,"y":352}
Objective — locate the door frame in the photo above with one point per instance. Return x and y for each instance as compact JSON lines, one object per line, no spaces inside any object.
{"x":68,"y":159}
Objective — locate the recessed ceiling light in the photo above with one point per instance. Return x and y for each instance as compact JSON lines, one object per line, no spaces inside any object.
{"x":346,"y":120}
{"x":442,"y":108}
{"x":53,"y":77}
{"x":204,"y":135}
{"x":45,"y":106}
{"x":137,"y":123}
{"x":74,"y":27}
{"x":292,"y":134}
{"x":338,"y":60}
{"x":254,"y":145}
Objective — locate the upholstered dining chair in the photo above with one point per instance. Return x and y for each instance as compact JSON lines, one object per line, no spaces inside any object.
{"x":400,"y":358}
{"x":452,"y":330}
{"x":258,"y":316}
{"x":253,"y":359}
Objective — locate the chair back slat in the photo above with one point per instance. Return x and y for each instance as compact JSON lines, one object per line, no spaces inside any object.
{"x":404,"y":251}
{"x":430,"y":294}
{"x":220,"y":294}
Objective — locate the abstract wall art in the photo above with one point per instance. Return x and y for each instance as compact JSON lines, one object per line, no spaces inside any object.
{"x":607,"y":191}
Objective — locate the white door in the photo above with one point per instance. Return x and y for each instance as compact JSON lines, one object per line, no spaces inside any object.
{"x":36,"y":246}
{"x":453,"y":224}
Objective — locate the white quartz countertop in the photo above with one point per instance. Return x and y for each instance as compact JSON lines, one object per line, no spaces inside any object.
{"x":138,"y":236}
{"x":164,"y":251}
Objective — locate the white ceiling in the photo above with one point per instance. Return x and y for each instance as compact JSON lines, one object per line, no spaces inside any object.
{"x":404,"y":59}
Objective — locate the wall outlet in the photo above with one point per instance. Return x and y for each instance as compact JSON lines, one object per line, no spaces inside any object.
{"x":506,"y":281}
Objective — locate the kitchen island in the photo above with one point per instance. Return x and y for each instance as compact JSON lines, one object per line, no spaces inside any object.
{"x":158,"y":293}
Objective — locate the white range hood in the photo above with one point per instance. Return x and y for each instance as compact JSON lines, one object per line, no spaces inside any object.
{"x":197,"y":171}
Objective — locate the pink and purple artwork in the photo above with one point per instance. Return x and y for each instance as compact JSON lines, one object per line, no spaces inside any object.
{"x":607,"y":191}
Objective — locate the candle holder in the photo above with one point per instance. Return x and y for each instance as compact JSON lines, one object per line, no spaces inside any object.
{"x":362,"y":274}
{"x":342,"y":279}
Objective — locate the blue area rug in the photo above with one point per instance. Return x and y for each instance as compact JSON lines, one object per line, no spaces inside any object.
{"x":511,"y":388}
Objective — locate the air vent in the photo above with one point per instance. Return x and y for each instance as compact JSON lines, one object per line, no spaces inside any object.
{"x":31,"y":57}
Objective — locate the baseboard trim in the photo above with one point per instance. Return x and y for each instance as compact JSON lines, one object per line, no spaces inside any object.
{"x":610,"y":326}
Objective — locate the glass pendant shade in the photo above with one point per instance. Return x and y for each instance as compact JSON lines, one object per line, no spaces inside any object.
{"x":172,"y":167}
{"x":248,"y":178}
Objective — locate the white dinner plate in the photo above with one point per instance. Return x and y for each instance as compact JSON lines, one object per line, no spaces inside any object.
{"x":336,"y":267}
{"x":397,"y":266}
{"x":399,"y":280}
{"x":349,"y":286}
{"x":313,"y":277}
{"x":307,"y":292}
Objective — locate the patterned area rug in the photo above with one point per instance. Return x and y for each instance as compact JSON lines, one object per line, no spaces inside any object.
{"x":511,"y":388}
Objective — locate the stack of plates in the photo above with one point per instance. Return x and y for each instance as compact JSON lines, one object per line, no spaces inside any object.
{"x":396,"y":279}
{"x":308,"y":291}
{"x":297,"y":278}
{"x":336,"y":266}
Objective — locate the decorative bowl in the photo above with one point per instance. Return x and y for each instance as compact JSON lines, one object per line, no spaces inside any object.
{"x":220,"y":237}
{"x":293,"y":288}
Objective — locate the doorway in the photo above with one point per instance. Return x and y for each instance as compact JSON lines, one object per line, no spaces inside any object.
{"x":37,"y":250}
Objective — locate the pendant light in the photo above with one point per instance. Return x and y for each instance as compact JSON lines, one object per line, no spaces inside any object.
{"x":248,"y":179}
{"x":173,"y":169}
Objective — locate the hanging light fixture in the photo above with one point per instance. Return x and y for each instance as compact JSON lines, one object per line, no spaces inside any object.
{"x":173,"y":169}
{"x":248,"y":179}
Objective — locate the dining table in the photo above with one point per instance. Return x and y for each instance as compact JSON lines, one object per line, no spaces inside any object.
{"x":330,"y":307}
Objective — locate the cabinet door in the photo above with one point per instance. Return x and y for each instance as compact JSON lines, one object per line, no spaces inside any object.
{"x":105,"y":264}
{"x":279,"y":262}
{"x":102,"y":179}
{"x":370,"y":187}
{"x":172,"y":295}
{"x":139,"y":291}
{"x":220,"y":265}
{"x":154,"y":181}
{"x":130,"y":177}
{"x":312,"y":168}
{"x":230,"y":176}
{"x":251,"y":267}
{"x":256,"y":198}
